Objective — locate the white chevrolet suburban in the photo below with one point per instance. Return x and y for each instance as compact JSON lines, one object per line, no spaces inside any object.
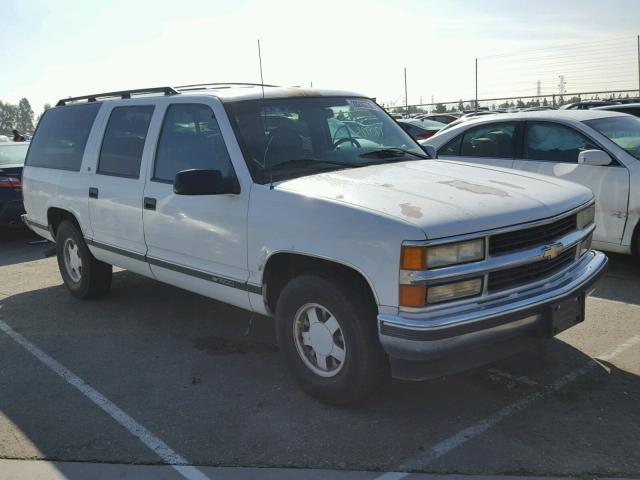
{"x":315,"y":207}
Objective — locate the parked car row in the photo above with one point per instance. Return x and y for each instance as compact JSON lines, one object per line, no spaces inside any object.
{"x":317,"y":208}
{"x":421,"y":129}
{"x":597,"y":148}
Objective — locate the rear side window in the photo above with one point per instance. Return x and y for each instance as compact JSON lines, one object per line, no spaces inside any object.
{"x":123,"y":141}
{"x":554,"y":143}
{"x":491,"y":141}
{"x":190,"y":139}
{"x":452,"y":148}
{"x":61,"y":136}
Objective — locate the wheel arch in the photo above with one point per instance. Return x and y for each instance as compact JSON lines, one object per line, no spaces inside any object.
{"x":281,"y":266}
{"x":55,"y":216}
{"x":635,"y":241}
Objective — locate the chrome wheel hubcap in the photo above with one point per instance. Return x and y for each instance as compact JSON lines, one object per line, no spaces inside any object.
{"x":72,"y":260}
{"x":319,"y":340}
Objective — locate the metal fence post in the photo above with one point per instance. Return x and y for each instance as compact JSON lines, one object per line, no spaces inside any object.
{"x":406,"y":98}
{"x":476,"y":101}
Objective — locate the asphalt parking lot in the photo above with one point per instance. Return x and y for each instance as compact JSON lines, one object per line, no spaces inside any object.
{"x":207,"y":380}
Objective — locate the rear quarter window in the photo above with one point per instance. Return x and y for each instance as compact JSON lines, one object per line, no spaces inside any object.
{"x":61,"y":137}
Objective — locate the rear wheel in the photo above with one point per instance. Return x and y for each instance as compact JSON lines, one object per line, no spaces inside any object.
{"x":83,"y":275}
{"x":328,"y":336}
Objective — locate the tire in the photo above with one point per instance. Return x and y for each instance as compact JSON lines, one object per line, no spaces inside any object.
{"x":84,"y":276}
{"x":312,"y":299}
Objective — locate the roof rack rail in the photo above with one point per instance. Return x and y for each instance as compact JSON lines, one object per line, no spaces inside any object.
{"x":121,"y":94}
{"x":197,"y":86}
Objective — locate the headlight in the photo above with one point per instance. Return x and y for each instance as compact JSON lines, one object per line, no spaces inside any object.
{"x":454,"y":253}
{"x":452,"y":291}
{"x":586,"y":217}
{"x":422,"y":258}
{"x":417,"y":296}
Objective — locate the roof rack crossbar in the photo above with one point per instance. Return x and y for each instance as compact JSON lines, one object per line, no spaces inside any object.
{"x":225,"y":83}
{"x":122,"y":94}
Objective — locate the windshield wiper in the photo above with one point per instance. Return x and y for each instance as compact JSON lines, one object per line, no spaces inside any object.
{"x":391,"y":153}
{"x":306,"y":161}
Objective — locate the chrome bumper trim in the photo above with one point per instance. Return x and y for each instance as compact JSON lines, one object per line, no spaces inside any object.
{"x":416,"y":335}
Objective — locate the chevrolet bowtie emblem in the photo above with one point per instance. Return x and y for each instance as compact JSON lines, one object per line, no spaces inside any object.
{"x":552,"y":251}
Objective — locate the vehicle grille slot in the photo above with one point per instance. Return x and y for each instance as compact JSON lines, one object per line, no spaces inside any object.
{"x":530,"y":237}
{"x":530,"y":272}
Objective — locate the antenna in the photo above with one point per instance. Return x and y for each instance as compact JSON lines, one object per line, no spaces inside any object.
{"x":264,"y":123}
{"x":260,"y":60}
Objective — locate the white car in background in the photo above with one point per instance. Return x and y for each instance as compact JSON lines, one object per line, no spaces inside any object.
{"x":596,"y":148}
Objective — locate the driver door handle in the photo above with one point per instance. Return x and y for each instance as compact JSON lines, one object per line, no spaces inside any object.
{"x":149,"y":203}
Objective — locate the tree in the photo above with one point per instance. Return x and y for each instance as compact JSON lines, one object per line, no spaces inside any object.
{"x":545,"y":102}
{"x":24,"y":118}
{"x":460,"y":106}
{"x":440,"y":108}
{"x":8,"y":118}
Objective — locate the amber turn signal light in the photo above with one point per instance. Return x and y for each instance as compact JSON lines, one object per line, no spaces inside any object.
{"x":413,"y":295}
{"x":413,"y":258}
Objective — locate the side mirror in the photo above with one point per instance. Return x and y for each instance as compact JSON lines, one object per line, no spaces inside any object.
{"x":594,"y":157}
{"x":430,"y":150}
{"x":201,"y":182}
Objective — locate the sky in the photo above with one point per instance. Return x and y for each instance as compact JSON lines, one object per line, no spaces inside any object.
{"x":55,"y":49}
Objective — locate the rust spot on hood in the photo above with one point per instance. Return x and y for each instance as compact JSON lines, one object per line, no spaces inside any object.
{"x":475,"y":188}
{"x":411,"y":211}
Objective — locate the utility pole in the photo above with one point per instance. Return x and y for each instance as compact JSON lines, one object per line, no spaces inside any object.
{"x":406,"y":98}
{"x":538,"y":88}
{"x":638,"y":38}
{"x":562,"y":85}
{"x":476,"y":102}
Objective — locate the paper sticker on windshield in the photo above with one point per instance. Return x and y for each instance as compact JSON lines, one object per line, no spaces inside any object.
{"x":361,"y":104}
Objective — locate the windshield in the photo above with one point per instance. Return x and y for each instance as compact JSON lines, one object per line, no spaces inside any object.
{"x":292,"y":137}
{"x":623,"y":131}
{"x":12,"y":153}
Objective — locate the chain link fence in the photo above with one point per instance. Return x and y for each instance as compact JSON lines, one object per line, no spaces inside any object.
{"x":548,"y":77}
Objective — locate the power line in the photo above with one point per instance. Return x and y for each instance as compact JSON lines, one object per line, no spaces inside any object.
{"x":577,"y":45}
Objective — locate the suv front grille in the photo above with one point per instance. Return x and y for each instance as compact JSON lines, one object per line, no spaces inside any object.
{"x":530,"y":237}
{"x":530,"y":272}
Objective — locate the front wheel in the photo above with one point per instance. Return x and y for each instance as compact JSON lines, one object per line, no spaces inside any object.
{"x":328,"y":336}
{"x":83,"y":275}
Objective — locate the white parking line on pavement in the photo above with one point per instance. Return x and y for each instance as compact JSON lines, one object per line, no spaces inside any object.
{"x":168,"y":455}
{"x":458,"y":439}
{"x":392,"y":476}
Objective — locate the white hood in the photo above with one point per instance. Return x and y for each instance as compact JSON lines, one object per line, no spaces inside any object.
{"x":446,"y":198}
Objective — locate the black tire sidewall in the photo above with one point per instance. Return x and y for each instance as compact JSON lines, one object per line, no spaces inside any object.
{"x":69,"y":230}
{"x":363,"y":361}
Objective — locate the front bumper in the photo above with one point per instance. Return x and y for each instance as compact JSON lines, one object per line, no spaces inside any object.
{"x":436,"y":334}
